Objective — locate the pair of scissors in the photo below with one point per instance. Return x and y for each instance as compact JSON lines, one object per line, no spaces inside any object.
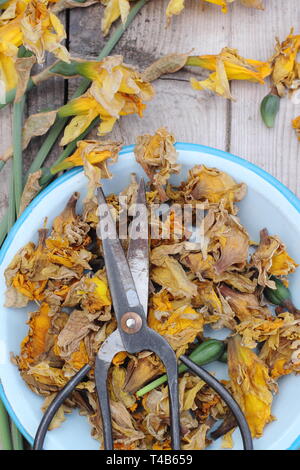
{"x":128,"y":280}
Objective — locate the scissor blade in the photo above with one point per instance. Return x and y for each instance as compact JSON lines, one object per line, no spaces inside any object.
{"x":138,"y":248}
{"x":121,"y":284}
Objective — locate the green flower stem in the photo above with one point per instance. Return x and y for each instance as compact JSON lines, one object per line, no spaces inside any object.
{"x":194,"y":61}
{"x":208,"y":351}
{"x":16,"y":436}
{"x":3,"y":227}
{"x":2,"y":163}
{"x":17,"y":125}
{"x":5,"y":438}
{"x":11,"y":215}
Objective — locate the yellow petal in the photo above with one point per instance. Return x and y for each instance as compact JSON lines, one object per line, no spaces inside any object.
{"x":174,"y":7}
{"x":251,"y":385}
{"x":221,"y":3}
{"x":114,"y":9}
{"x":8,"y":74}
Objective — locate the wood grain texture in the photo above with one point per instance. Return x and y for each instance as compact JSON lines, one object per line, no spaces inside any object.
{"x":275,"y":150}
{"x":190,"y":115}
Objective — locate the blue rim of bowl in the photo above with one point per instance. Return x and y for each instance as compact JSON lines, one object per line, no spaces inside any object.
{"x":289,"y":195}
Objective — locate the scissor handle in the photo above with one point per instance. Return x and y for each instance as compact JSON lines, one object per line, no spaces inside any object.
{"x":56,"y":404}
{"x":149,"y":341}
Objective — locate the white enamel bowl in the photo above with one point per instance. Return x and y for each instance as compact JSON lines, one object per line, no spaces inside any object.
{"x":268,"y":204}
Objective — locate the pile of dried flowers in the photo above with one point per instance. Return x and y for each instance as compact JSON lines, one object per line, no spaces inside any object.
{"x":110,"y":89}
{"x":219,"y":283}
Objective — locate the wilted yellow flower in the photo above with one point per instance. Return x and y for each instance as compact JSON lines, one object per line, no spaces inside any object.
{"x":179,"y":324}
{"x":281,"y":353}
{"x":284,"y":63}
{"x":114,"y":10}
{"x":28,"y":23}
{"x":271,"y":257}
{"x":43,"y":31}
{"x":212,"y":185}
{"x":95,"y":152}
{"x":226,"y":66}
{"x":92,"y":294}
{"x":117,"y":90}
{"x":251,"y":385}
{"x":158,"y":157}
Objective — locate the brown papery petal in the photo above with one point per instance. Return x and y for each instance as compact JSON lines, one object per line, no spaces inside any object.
{"x":170,"y":63}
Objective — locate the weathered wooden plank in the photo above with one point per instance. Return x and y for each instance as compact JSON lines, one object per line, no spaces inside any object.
{"x":276,"y":150}
{"x":192,"y":117}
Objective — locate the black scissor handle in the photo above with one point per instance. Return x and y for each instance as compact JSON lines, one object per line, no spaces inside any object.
{"x":55,"y":405}
{"x":226,"y":396}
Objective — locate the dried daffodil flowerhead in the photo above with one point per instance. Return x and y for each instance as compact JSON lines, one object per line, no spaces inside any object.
{"x":158,"y":157}
{"x":286,"y":73}
{"x":32,"y":24}
{"x":43,"y":31}
{"x":117,"y":90}
{"x":271,"y":258}
{"x":178,"y":322}
{"x":226,"y":66}
{"x":95,"y":152}
{"x":281,"y":353}
{"x":213,"y":186}
{"x":251,"y":385}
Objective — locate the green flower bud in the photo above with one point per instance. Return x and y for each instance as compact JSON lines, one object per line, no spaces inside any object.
{"x":269,"y":109}
{"x":278,"y":295}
